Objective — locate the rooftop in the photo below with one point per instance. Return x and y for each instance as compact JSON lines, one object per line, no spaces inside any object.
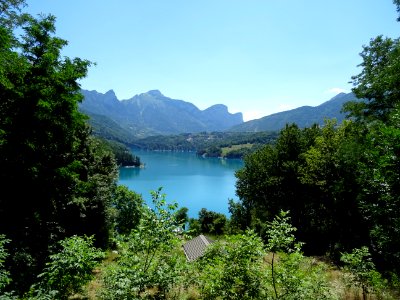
{"x":196,"y":247}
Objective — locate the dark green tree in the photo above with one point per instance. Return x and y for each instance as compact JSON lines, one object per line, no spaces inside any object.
{"x":397,"y":3}
{"x":378,"y":83}
{"x":55,"y":180}
{"x":378,"y":168}
{"x":237,"y":221}
{"x":182,"y":217}
{"x":310,"y":172}
{"x":212,"y":222}
{"x":379,"y":173}
{"x":269,"y":181}
{"x":331,"y":216}
{"x":10,"y":13}
{"x":128,"y":208}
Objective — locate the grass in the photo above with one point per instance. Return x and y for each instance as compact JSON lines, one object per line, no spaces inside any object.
{"x":226,"y":150}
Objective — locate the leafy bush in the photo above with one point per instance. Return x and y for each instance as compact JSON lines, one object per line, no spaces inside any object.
{"x":362,"y":271}
{"x":232,"y":269}
{"x":70,"y":269}
{"x":148,"y":263}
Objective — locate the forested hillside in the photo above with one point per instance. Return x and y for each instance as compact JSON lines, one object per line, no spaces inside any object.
{"x":210,"y":144}
{"x":317,"y":217}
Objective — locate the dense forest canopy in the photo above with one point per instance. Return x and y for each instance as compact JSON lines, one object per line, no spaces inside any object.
{"x":331,"y":191}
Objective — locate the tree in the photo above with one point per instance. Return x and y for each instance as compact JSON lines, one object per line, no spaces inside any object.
{"x":378,"y":83}
{"x":332,"y":219}
{"x":10,"y":13}
{"x":237,"y":221}
{"x":128,"y":209}
{"x":310,"y":172}
{"x":279,"y":236}
{"x":397,"y":3}
{"x":378,"y":167}
{"x":379,"y":173}
{"x":212,"y":222}
{"x":182,"y":217}
{"x":194,"y":227}
{"x":270,"y":179}
{"x":55,"y":180}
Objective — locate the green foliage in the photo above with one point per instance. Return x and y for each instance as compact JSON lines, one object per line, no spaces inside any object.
{"x":212,"y":222}
{"x":182,"y":217}
{"x":311,"y":173}
{"x":123,"y":154}
{"x":378,"y":82}
{"x":194,"y":227}
{"x":297,"y":277}
{"x":290,"y":276}
{"x":379,"y":168}
{"x":128,"y":209}
{"x":10,"y":14}
{"x":149,"y":262}
{"x":71,"y":268}
{"x":279,"y":234}
{"x":4,"y":274}
{"x":238,"y":220}
{"x":268,"y":182}
{"x":359,"y":264}
{"x":280,"y":238}
{"x":232,"y":269}
{"x":397,"y":3}
{"x":45,"y":143}
{"x":209,"y":144}
{"x":238,"y":267}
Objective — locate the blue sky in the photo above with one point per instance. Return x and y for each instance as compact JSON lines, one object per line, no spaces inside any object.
{"x":257,"y":57}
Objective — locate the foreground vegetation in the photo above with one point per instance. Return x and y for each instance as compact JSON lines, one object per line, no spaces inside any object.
{"x":68,"y":230}
{"x":147,"y":262}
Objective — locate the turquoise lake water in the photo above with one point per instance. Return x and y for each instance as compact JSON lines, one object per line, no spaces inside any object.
{"x":191,"y":181}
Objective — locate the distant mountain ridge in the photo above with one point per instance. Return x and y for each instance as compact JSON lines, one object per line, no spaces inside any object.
{"x":153,"y":113}
{"x":304,"y":116}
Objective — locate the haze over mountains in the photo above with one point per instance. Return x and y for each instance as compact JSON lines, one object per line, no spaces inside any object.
{"x":152,"y":113}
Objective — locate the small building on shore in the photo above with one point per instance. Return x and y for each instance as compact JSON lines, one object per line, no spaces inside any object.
{"x":196,"y":247}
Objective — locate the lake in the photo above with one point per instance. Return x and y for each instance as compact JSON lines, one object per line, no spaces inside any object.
{"x":190,"y":180}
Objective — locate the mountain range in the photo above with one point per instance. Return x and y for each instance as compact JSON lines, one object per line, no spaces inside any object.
{"x":152,"y":113}
{"x":303,"y":116}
